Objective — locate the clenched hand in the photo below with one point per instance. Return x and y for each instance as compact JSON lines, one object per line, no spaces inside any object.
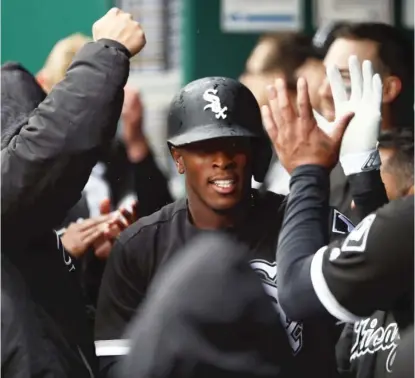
{"x":120,"y":27}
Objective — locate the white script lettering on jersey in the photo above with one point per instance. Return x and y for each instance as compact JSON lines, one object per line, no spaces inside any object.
{"x":268,"y":274}
{"x":214,"y":103}
{"x":371,"y":339}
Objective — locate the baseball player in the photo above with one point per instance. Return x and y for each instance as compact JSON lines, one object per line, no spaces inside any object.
{"x":370,"y":269}
{"x":217,"y":141}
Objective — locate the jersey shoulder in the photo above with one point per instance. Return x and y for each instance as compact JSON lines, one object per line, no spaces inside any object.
{"x":268,"y":201}
{"x":146,"y":227}
{"x":400,"y":210}
{"x":392,"y":222}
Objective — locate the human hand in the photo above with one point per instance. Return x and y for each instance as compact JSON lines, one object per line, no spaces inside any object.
{"x":132,"y":126}
{"x":296,"y":138}
{"x":126,"y":217}
{"x":120,"y":27}
{"x":78,"y":237}
{"x":358,"y":148}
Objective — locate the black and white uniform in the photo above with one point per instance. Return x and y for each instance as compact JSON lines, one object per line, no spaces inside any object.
{"x":148,"y":244}
{"x":370,"y":269}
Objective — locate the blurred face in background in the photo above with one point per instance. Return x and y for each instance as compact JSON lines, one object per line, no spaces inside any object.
{"x":396,"y":172}
{"x":283,"y":56}
{"x":255,"y":77}
{"x":314,"y":72}
{"x":338,"y":55}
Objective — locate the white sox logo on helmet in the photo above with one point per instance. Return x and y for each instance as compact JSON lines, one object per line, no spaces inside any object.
{"x":214,"y":103}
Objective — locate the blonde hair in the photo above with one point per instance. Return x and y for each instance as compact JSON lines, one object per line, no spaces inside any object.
{"x":60,"y":59}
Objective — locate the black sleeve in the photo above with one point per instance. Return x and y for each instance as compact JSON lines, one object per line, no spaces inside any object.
{"x":46,"y":166}
{"x":368,"y":192}
{"x":344,"y":277}
{"x":304,"y":231}
{"x":377,"y":255}
{"x":15,"y":361}
{"x":123,"y":287}
{"x":151,"y":186}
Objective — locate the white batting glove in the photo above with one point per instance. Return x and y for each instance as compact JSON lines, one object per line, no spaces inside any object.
{"x":358,"y":151}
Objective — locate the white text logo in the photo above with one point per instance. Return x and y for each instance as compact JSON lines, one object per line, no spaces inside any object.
{"x":214,"y":103}
{"x":370,"y":339}
{"x":268,"y":274}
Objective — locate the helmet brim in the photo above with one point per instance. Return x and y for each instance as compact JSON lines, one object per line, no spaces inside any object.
{"x":212,"y":131}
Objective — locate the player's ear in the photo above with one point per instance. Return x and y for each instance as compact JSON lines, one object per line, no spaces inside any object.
{"x":178,"y":160}
{"x":392,"y":86}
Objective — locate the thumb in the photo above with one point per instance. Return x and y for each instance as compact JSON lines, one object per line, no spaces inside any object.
{"x":341,"y":126}
{"x":105,"y":206}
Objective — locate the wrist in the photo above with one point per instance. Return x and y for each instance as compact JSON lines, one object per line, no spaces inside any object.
{"x":313,"y":174}
{"x":360,"y":162}
{"x":115,"y":44}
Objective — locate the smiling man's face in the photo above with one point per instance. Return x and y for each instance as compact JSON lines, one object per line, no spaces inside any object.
{"x":338,"y":55}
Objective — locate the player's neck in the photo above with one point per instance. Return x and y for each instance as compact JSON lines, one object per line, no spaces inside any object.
{"x":205,"y":218}
{"x":386,"y":119}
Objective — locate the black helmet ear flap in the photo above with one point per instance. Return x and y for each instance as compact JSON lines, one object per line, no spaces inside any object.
{"x":263,"y":153}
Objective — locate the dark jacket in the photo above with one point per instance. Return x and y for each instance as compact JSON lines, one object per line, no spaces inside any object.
{"x":44,"y":169}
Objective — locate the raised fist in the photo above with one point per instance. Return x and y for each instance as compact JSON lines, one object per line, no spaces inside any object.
{"x":120,"y":26}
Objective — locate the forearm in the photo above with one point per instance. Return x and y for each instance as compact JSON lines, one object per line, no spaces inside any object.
{"x":52,"y":156}
{"x":304,"y":231}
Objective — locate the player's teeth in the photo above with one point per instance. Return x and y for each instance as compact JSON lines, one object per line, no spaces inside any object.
{"x":223,"y":183}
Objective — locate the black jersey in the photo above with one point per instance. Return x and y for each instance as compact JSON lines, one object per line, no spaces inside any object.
{"x":367,"y":348}
{"x":143,"y":248}
{"x":370,"y":269}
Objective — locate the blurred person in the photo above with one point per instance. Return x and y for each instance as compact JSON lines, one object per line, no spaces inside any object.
{"x":217,"y":142}
{"x":114,"y":176}
{"x":59,"y":60}
{"x":368,"y":348}
{"x":125,"y":170}
{"x":284,"y":55}
{"x":103,"y":183}
{"x":46,"y":161}
{"x":393,"y":58}
{"x":287,"y":56}
{"x":223,"y":326}
{"x":396,"y":150}
{"x":342,"y":278}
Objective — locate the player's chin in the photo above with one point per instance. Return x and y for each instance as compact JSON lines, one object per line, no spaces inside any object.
{"x":225,"y":202}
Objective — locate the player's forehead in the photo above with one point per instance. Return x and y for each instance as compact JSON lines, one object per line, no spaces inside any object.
{"x":341,"y":49}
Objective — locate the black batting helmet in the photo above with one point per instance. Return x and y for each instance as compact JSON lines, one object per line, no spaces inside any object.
{"x":219,"y":107}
